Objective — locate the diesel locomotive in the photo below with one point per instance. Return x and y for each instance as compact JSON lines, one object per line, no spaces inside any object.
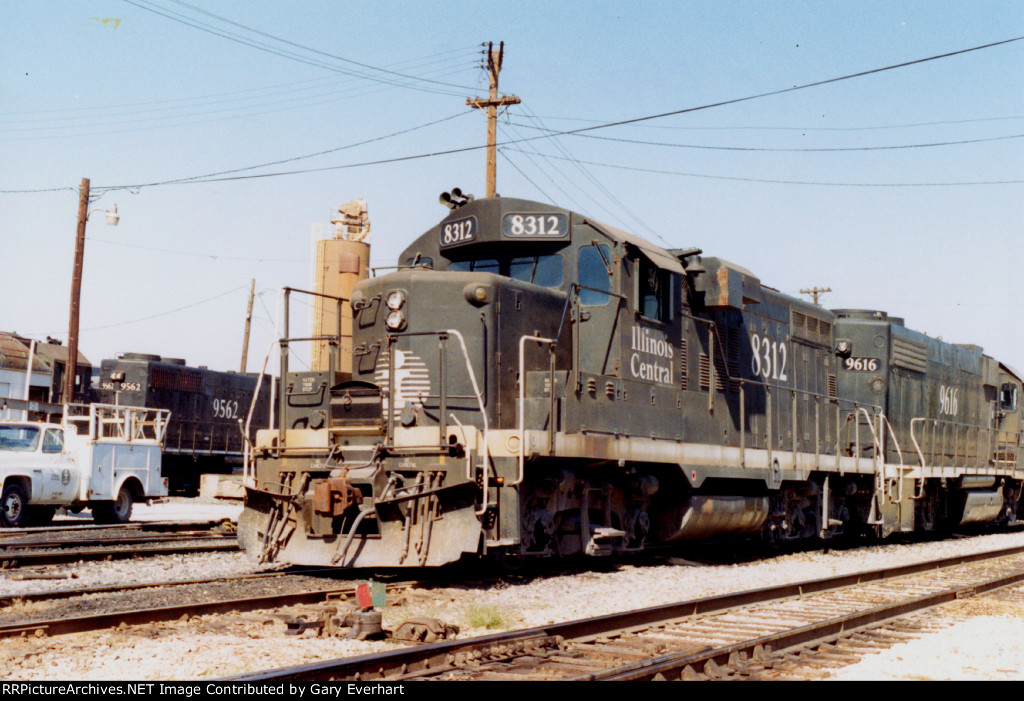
{"x":206,"y":407}
{"x":532,"y":382}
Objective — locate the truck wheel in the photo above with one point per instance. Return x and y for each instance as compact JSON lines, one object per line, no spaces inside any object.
{"x":117,"y":511}
{"x":13,"y":504}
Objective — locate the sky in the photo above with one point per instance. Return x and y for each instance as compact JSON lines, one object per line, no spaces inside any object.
{"x":226,"y":131}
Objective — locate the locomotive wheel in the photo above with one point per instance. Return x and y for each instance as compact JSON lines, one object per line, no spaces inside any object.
{"x":117,"y":511}
{"x":13,"y":505}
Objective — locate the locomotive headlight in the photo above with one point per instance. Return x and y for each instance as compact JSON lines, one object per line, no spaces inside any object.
{"x":395,"y":300}
{"x":395,"y":320}
{"x":477,"y":294}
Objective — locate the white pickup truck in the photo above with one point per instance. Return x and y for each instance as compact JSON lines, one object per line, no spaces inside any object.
{"x":99,"y":456}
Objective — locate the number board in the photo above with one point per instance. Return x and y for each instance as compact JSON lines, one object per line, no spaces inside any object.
{"x":458,"y":232}
{"x":535,"y":226}
{"x":862,"y":364}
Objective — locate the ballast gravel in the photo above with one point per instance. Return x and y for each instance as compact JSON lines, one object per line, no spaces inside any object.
{"x":979,"y":644}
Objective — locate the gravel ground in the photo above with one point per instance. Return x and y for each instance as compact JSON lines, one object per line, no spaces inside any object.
{"x":983,"y":642}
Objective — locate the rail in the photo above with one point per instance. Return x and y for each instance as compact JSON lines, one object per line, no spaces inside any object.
{"x":482,"y":653}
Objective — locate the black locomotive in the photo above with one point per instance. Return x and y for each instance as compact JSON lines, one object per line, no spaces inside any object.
{"x":532,"y":382}
{"x":209,"y":410}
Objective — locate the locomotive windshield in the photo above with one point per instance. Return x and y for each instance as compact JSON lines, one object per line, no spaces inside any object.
{"x":543,"y":270}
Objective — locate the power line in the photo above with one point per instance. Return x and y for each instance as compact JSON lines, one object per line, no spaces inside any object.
{"x":302,"y":105}
{"x":754,"y":127}
{"x":224,"y":34}
{"x":195,"y":178}
{"x":601,"y":126}
{"x":312,"y":50}
{"x":804,"y":86}
{"x":313,"y":155}
{"x":792,"y":182}
{"x":608,"y":194}
{"x":532,"y":152}
{"x":151,"y":316}
{"x":791,"y":150}
{"x":178,"y":103}
{"x":211,"y":256}
{"x":512,"y":163}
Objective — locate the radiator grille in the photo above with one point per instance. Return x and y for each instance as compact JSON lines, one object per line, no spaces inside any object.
{"x":909,"y":354}
{"x":811,"y":329}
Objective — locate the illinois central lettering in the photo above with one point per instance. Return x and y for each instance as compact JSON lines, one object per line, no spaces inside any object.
{"x":651,"y":350}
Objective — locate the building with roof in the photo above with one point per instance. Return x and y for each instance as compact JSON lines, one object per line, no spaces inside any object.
{"x":48,"y":359}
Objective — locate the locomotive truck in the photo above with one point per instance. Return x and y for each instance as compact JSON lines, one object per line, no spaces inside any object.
{"x":533,"y":382}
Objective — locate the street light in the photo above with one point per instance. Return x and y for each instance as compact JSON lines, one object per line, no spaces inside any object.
{"x":71,"y":366}
{"x":112,"y":216}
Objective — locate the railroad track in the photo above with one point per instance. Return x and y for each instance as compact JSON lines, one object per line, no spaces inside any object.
{"x":753,"y":634}
{"x":195,"y":600}
{"x":52,"y":545}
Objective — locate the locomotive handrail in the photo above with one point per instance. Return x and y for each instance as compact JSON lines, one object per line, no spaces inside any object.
{"x":880,"y":455}
{"x":980,"y":460}
{"x":485,"y":455}
{"x":284,"y":341}
{"x":248,"y":454}
{"x":522,"y":402}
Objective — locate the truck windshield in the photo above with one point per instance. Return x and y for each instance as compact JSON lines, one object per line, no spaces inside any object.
{"x":14,"y":437}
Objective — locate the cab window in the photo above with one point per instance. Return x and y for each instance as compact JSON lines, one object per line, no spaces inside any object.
{"x":546,"y":271}
{"x":423,"y":261}
{"x":654,"y":288}
{"x":475,"y":266}
{"x":1008,"y":395}
{"x":53,"y":441}
{"x":593,"y":275}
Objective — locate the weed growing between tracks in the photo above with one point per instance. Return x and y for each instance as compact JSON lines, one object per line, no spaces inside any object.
{"x":489,"y":617}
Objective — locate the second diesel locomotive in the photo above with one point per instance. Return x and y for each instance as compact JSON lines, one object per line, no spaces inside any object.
{"x":532,"y":382}
{"x":207,"y":406}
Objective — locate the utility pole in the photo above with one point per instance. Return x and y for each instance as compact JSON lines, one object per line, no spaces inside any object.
{"x":248,"y":325}
{"x":492,"y":103}
{"x":815,"y":291}
{"x":71,"y":365}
